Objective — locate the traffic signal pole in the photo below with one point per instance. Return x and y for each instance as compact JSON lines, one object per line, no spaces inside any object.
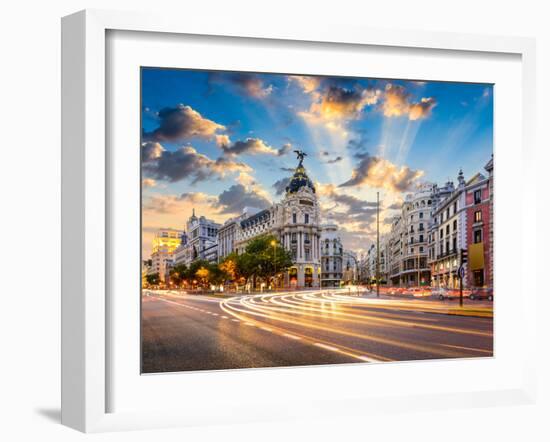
{"x":461,"y":295}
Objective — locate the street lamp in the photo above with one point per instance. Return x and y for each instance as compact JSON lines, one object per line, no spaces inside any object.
{"x":274,"y":244}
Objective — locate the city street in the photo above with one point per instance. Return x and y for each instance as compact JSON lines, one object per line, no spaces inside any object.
{"x":196,"y":332}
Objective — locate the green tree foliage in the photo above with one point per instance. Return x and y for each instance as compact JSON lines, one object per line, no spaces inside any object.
{"x":153,"y":279}
{"x":264,"y":257}
{"x":179,"y":274}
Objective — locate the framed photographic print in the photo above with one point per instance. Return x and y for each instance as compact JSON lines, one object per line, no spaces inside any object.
{"x":250,"y":215}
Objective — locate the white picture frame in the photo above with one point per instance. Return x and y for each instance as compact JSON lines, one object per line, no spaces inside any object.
{"x":85,"y":214}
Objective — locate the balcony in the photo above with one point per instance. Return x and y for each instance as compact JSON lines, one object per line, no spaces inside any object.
{"x":452,"y":252}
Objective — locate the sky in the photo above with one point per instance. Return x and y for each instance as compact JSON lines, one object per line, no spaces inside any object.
{"x":220,"y":141}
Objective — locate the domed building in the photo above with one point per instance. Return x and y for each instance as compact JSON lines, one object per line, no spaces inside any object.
{"x":295,"y":221}
{"x":300,"y":230}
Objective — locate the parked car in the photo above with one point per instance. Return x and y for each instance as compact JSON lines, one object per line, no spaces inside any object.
{"x":482,"y":293}
{"x":444,"y":293}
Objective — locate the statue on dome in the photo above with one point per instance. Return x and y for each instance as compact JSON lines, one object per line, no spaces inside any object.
{"x":300,"y":154}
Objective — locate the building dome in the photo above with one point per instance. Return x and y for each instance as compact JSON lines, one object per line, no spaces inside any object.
{"x":299,"y":180}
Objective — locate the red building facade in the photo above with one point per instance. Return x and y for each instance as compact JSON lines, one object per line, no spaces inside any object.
{"x":478,"y":231}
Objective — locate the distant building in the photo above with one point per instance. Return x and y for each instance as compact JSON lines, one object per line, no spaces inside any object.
{"x":165,"y":243}
{"x":199,"y":242}
{"x":331,"y":256}
{"x":349,"y":267}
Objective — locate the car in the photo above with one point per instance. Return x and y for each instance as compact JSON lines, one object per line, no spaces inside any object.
{"x":445,"y":293}
{"x":482,"y":293}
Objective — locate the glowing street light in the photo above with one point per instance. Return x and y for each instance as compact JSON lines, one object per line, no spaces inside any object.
{"x":274,"y":245}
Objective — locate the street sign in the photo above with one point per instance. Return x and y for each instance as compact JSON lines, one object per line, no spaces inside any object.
{"x":460,"y":272}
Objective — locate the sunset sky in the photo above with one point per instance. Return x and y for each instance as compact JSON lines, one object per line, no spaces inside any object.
{"x":220,"y":141}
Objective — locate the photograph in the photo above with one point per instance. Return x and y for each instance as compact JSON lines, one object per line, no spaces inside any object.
{"x":297,"y":219}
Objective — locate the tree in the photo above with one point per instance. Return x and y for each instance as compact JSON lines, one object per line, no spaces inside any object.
{"x":202,"y":275}
{"x":153,"y":279}
{"x":264,"y":257}
{"x":178,"y":274}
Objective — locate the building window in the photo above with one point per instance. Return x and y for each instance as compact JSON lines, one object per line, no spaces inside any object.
{"x":477,"y":236}
{"x":306,"y":218}
{"x":421,"y":215}
{"x":448,"y":229}
{"x":477,"y":216}
{"x":446,"y":246}
{"x":454,"y":244}
{"x":441,"y":234}
{"x":448,"y":212}
{"x":293,"y":237}
{"x":478,"y":278}
{"x":477,"y":196}
{"x":421,"y":249}
{"x":455,"y":225}
{"x":421,"y":238}
{"x":455,"y":207}
{"x":294,"y":218}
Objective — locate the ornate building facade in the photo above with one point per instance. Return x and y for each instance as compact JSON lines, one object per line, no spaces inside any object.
{"x":199,"y":241}
{"x":296,"y":223}
{"x":332,"y":253}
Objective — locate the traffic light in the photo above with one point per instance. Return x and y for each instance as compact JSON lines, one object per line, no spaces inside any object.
{"x":463,"y":256}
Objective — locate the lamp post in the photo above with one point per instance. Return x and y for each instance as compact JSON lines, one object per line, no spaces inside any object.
{"x":274,"y":244}
{"x":378,"y":244}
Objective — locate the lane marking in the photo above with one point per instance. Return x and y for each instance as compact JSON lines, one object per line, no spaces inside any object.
{"x":235,"y":320}
{"x":326,"y":347}
{"x":267,"y":329}
{"x":288,"y":335}
{"x":224,"y":317}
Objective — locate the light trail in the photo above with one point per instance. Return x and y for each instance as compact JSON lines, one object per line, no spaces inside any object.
{"x":307,"y":310}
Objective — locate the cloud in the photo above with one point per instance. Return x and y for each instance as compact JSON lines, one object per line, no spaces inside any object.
{"x":281,"y":185}
{"x":397,"y":102}
{"x":335,"y":105}
{"x":187,"y":163}
{"x":395,"y":206}
{"x":182,"y":123}
{"x":151,"y":151}
{"x":162,"y":204}
{"x":284,"y":149}
{"x":381,"y":173}
{"x":148,"y":182}
{"x":355,"y":205}
{"x":335,"y":160}
{"x":359,"y":142}
{"x":306,"y":83}
{"x":237,"y":197}
{"x":251,"y":85}
{"x":251,"y":146}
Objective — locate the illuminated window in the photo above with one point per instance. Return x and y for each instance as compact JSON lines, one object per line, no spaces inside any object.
{"x":477,"y":216}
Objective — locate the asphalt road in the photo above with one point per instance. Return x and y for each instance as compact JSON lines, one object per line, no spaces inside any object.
{"x":183,"y":332}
